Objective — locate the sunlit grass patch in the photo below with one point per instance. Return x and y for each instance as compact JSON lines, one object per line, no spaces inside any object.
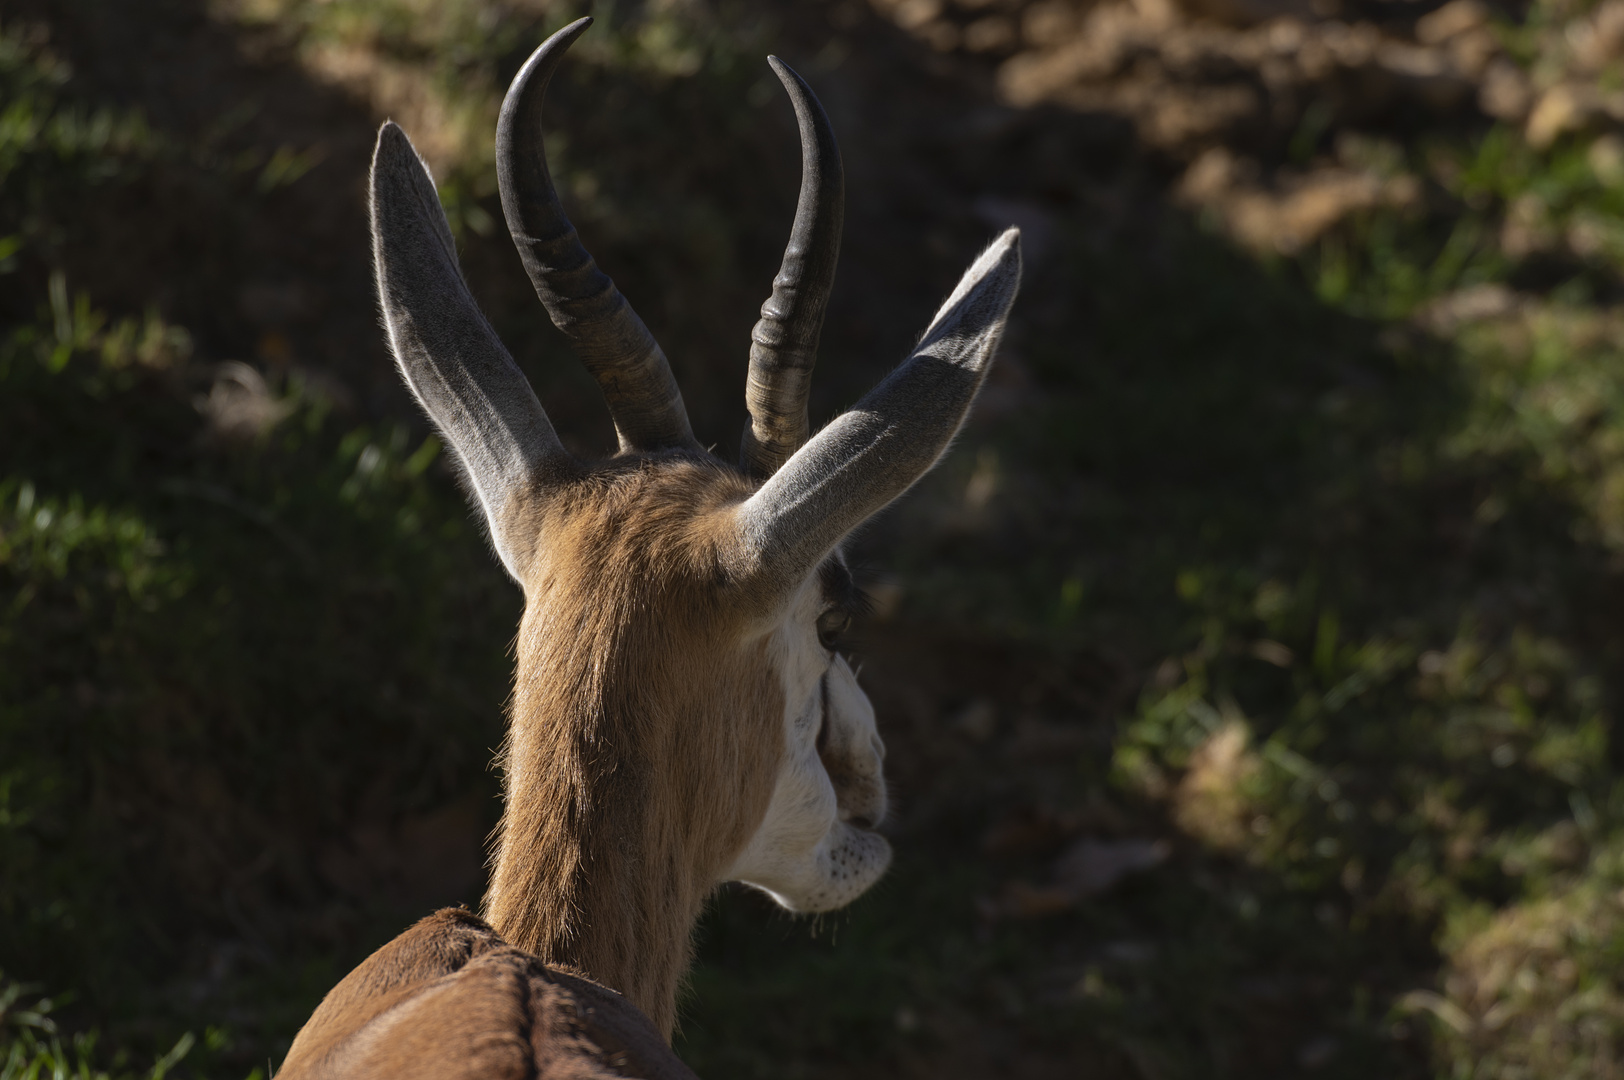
{"x":1537,"y":988}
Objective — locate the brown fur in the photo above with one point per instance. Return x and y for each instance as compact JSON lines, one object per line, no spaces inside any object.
{"x":646,"y":728}
{"x":450,"y":1000}
{"x":645,"y":736}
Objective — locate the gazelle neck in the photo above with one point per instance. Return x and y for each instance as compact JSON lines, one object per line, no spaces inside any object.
{"x":583,"y":879}
{"x":641,"y":754}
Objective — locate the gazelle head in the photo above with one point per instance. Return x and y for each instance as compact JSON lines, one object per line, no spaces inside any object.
{"x":682,"y":715}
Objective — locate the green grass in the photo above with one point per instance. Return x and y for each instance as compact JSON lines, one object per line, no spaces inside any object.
{"x":1313,"y":570}
{"x":207,"y":632}
{"x":33,"y":1047}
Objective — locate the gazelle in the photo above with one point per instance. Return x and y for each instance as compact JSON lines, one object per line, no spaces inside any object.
{"x":681,"y":715}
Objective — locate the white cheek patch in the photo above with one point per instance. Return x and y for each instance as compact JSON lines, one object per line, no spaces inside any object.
{"x":815,"y":864}
{"x":805,"y":854}
{"x":841,"y":871}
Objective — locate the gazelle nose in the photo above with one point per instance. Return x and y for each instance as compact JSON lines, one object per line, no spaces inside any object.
{"x":863,"y":806}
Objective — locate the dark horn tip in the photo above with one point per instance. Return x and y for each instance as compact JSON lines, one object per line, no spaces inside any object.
{"x":785,"y":73}
{"x":573,"y":30}
{"x":807,"y":107}
{"x":542,"y":62}
{"x":570,"y":31}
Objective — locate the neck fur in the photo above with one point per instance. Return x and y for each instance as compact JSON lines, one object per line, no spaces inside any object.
{"x":640,"y":758}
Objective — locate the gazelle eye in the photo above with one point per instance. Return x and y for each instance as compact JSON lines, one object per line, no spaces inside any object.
{"x":831,"y":624}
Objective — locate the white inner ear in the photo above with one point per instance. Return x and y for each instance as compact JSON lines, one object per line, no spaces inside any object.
{"x":805,"y":855}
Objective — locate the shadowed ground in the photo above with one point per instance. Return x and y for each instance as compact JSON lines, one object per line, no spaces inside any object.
{"x":1247,"y":671}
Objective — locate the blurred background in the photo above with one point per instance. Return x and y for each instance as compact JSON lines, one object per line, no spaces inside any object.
{"x":1248,"y":669}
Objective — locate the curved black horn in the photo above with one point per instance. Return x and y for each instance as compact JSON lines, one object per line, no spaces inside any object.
{"x":612,"y":341}
{"x":784,"y":343}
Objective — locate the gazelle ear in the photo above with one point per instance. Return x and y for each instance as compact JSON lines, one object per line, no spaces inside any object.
{"x":448,"y":353}
{"x":892,"y":437}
